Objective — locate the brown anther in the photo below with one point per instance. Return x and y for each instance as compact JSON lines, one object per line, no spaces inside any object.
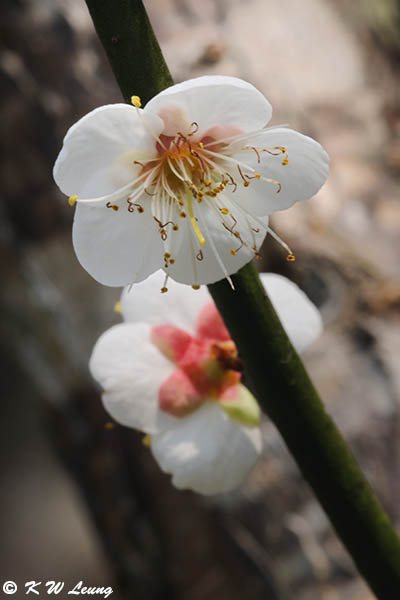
{"x":257,"y":153}
{"x":113,"y":206}
{"x":175,"y":227}
{"x":167,"y":255}
{"x":182,"y":214}
{"x":246,"y":184}
{"x":196,"y":287}
{"x":236,"y":234}
{"x":232,"y":251}
{"x":291,"y":257}
{"x":109,"y":425}
{"x":196,"y":128}
{"x":172,"y":261}
{"x":140,"y":209}
{"x":164,"y":290}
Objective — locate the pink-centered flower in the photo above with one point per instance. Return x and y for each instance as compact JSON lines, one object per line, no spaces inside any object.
{"x":185,"y":184}
{"x":172,"y":371}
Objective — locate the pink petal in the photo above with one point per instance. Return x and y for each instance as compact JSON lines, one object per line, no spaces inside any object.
{"x":171,"y":341}
{"x":210,"y":324}
{"x":178,"y":396}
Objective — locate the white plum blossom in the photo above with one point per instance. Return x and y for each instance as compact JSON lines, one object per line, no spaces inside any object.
{"x":185,"y":184}
{"x":172,"y":371}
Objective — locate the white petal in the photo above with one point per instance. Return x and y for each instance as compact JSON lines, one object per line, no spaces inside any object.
{"x":88,"y":164}
{"x":216,"y":100}
{"x":188,"y":269}
{"x":300,"y":179}
{"x":131,"y":369}
{"x":300,"y":318}
{"x":117,"y":248}
{"x":179,"y":306}
{"x":207,"y":452}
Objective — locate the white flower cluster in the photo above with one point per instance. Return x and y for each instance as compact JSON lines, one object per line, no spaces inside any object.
{"x":185,"y":185}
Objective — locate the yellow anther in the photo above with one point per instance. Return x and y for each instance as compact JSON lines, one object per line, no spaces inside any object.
{"x":164,"y":290}
{"x":146,"y":440}
{"x":167,"y":255}
{"x":197,"y":231}
{"x":135,"y":101}
{"x":162,"y":232}
{"x":109,"y":425}
{"x":233,"y":252}
{"x":72,"y":200}
{"x":224,"y":211}
{"x":281,"y":148}
{"x":193,"y":221}
{"x":257,"y":175}
{"x":285,"y":161}
{"x":201,"y":145}
{"x":200,"y":193}
{"x":118,"y":307}
{"x":291,"y":257}
{"x":196,"y":287}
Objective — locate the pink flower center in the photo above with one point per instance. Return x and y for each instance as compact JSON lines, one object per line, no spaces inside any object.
{"x":207,"y":363}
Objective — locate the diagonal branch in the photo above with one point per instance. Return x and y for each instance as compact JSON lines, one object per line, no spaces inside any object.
{"x":278,"y":377}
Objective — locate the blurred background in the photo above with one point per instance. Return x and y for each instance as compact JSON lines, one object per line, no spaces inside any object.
{"x":82,"y":501}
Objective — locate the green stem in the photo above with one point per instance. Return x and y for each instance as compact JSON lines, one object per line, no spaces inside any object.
{"x":286,"y":393}
{"x":131,"y":47}
{"x":278,"y":377}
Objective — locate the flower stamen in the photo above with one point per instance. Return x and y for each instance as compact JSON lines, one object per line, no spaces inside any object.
{"x":193,"y":220}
